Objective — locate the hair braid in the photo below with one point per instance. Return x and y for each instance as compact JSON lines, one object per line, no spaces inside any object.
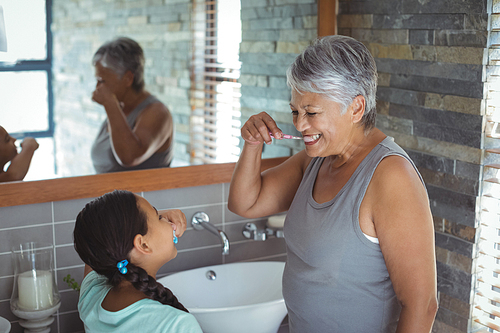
{"x":151,"y":288}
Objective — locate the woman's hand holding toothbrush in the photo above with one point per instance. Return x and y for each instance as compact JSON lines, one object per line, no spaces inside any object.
{"x":261,"y":128}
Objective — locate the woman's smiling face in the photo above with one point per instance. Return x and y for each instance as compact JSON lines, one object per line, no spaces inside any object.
{"x":326,"y":131}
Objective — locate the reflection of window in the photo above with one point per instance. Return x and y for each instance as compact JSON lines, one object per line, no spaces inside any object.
{"x":25,"y":75}
{"x":215,"y":117}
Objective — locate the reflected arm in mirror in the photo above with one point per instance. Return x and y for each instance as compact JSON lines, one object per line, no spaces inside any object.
{"x":19,"y":165}
{"x":152,"y":133}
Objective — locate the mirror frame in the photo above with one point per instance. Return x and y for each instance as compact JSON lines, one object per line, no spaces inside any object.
{"x":31,"y":192}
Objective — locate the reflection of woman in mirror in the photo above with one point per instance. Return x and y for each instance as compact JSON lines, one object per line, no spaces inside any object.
{"x":19,"y":162}
{"x":139,"y":129}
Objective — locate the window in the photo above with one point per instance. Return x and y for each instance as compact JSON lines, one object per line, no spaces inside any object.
{"x":25,"y":76}
{"x":215,"y":92}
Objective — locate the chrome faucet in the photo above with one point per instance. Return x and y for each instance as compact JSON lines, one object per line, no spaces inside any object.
{"x":201,"y":221}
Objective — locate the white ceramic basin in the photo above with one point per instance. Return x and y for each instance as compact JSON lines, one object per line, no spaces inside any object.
{"x":4,"y":325}
{"x":243,"y":298}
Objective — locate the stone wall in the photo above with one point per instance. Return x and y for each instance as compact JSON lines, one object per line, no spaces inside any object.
{"x":430,"y":61}
{"x":272,"y":37}
{"x":161,"y":27}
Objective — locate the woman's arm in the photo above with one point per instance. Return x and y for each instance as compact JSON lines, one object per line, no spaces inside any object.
{"x":132,"y":146}
{"x":252,"y":194}
{"x":404,"y":226}
{"x":153,"y":128}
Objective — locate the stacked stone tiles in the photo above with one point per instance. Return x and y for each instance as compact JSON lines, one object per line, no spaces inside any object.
{"x":430,"y":60}
{"x":273,"y":33}
{"x":162,"y":27}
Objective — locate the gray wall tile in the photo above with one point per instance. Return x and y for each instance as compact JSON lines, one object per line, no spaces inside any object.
{"x":183,"y":197}
{"x":193,"y":259}
{"x":68,"y":210}
{"x":13,"y":237}
{"x":18,"y":216}
{"x":253,"y":249}
{"x":70,"y":323}
{"x":66,"y":256}
{"x":6,"y":267}
{"x":64,"y":232}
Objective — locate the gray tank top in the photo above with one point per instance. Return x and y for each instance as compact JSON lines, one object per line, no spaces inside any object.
{"x":102,"y":154}
{"x":335,"y":279}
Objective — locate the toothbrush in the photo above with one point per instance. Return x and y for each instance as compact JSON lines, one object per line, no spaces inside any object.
{"x":287,"y":136}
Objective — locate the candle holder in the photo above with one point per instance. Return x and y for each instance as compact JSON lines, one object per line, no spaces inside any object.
{"x":35,"y":297}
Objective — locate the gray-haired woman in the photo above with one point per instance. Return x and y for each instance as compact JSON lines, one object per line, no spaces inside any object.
{"x":359,"y":231}
{"x":139,"y":129}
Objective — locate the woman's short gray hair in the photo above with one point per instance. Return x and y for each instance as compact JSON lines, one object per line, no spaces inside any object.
{"x":340,"y":68}
{"x":121,"y":55}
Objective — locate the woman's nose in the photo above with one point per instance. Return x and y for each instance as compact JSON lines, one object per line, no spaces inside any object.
{"x":301,"y":123}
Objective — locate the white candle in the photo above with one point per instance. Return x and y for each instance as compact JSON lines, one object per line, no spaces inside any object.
{"x":35,"y":289}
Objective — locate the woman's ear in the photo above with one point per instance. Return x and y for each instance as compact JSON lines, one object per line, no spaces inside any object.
{"x":141,"y":244}
{"x":128,"y":78}
{"x":358,"y":108}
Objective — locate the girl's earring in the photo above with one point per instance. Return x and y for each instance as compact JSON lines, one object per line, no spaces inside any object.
{"x":176,"y":240}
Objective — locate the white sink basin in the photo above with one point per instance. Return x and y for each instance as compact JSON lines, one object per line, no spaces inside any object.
{"x":243,"y":297}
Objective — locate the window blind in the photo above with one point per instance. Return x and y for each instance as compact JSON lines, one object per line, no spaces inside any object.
{"x":215,"y":91}
{"x":486,"y":302}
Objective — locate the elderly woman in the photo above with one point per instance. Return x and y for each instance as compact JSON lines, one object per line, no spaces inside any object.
{"x":139,"y":128}
{"x":359,"y":232}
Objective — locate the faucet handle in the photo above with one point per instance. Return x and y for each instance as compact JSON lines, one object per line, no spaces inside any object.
{"x":250,"y":231}
{"x":198,"y":219}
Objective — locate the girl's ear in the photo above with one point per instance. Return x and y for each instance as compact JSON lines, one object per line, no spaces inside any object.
{"x":358,"y":108}
{"x":141,"y":244}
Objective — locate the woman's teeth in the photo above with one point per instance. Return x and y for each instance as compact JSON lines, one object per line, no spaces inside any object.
{"x":311,"y":138}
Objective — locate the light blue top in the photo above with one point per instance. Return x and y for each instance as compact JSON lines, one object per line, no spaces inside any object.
{"x":145,"y":315}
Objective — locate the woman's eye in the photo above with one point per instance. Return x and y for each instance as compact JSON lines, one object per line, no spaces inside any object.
{"x":311,"y":113}
{"x":294,"y":113}
{"x":160,"y":217}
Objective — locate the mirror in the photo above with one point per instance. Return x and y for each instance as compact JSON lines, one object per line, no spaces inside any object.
{"x":271,"y":39}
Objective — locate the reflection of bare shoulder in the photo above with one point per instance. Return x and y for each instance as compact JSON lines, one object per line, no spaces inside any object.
{"x":157,"y":109}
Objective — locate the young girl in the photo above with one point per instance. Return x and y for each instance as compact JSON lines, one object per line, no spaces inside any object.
{"x":124,"y":241}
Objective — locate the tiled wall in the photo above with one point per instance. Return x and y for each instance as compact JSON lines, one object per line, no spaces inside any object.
{"x":53,"y":222}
